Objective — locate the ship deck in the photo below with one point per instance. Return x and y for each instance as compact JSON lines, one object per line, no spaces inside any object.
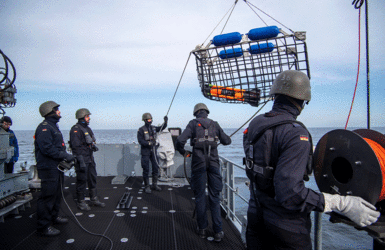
{"x":161,"y":220}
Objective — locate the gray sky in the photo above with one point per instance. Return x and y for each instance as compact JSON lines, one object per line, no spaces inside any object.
{"x":121,"y":58}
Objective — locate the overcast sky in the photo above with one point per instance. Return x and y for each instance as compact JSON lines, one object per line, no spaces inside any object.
{"x":123,"y":58}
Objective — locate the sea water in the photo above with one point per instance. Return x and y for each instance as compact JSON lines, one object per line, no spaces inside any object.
{"x":334,"y":236}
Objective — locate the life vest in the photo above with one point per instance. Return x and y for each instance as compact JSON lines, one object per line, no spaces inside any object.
{"x":149,"y":136}
{"x":205,"y":135}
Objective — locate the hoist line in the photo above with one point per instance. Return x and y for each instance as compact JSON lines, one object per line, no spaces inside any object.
{"x":256,"y":13}
{"x":229,"y":17}
{"x":358,"y":68}
{"x":179,"y":83}
{"x":249,"y":119}
{"x":232,"y":7}
{"x":247,"y":2}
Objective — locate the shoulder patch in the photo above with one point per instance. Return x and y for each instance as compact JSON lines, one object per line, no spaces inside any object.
{"x":44,"y":129}
{"x":304,"y":138}
{"x":246,"y":131}
{"x":75,"y":131}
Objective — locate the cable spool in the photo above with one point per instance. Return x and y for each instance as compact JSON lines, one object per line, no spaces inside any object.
{"x":351,"y":163}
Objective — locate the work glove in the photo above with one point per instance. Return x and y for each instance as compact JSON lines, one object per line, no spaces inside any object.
{"x":68,"y":157}
{"x":355,"y":208}
{"x":81,"y":163}
{"x":187,"y":153}
{"x":165,"y":119}
{"x":94,"y":148}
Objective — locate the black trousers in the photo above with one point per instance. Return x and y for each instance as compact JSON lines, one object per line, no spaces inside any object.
{"x":85,"y":178}
{"x":48,"y":204}
{"x":263,"y":235}
{"x":8,"y":167}
{"x":145,"y":161}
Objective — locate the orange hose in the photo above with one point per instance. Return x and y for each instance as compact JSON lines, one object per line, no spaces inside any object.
{"x":380,"y":153}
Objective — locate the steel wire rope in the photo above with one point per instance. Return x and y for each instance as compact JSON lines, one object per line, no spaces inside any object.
{"x":358,"y":67}
{"x":232,"y":7}
{"x":248,"y":3}
{"x":179,"y":83}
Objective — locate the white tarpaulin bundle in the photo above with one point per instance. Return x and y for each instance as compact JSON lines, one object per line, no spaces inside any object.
{"x":166,"y":149}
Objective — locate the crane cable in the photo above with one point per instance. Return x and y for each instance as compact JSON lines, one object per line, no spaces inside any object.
{"x":250,"y":4}
{"x":358,"y":67}
{"x":232,"y":8}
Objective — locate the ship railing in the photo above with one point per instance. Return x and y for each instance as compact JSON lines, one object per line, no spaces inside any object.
{"x":229,"y":193}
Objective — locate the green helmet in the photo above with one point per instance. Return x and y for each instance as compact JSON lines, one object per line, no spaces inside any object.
{"x":81,"y":113}
{"x":146,"y":116}
{"x":47,"y":107}
{"x":292,"y":83}
{"x":200,"y":106}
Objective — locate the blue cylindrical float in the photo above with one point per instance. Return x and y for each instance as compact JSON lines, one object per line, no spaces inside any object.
{"x":230,"y":53}
{"x":261,"y":48}
{"x":263,"y":33}
{"x":226,"y":39}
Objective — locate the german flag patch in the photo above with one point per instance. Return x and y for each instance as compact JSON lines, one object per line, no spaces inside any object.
{"x":44,"y":129}
{"x":303,"y":138}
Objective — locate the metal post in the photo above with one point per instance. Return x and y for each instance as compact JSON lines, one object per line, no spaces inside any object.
{"x":317,"y":231}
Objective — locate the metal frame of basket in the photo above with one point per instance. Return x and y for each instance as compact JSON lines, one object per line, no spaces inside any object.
{"x":237,"y":73}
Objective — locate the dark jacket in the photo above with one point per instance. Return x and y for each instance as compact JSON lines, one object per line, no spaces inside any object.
{"x":13,"y":143}
{"x":148,"y":145}
{"x":292,"y":201}
{"x":78,"y":143}
{"x":198,"y":157}
{"x":50,"y":148}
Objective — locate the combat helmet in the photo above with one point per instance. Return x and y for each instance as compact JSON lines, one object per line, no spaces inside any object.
{"x":146,"y":116}
{"x":200,"y":106}
{"x":292,"y":83}
{"x":47,"y":107}
{"x":81,"y":113}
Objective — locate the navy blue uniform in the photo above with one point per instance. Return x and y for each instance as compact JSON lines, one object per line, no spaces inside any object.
{"x":148,"y":149}
{"x":279,"y":217}
{"x":200,"y":171}
{"x":50,"y":149}
{"x":8,"y":166}
{"x":80,"y":147}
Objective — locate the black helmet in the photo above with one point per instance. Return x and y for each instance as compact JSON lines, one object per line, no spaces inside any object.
{"x":81,"y":113}
{"x":6,"y":119}
{"x":47,"y":107}
{"x":292,"y":83}
{"x":146,"y":116}
{"x":200,"y":106}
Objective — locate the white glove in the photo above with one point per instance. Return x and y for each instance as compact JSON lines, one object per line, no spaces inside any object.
{"x":355,"y":208}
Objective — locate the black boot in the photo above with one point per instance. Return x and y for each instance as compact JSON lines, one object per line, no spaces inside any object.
{"x":155,"y":185}
{"x":81,"y":204}
{"x":94,"y":200}
{"x":147,"y":189}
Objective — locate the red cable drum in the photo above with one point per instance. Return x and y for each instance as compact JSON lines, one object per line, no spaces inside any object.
{"x":351,"y":163}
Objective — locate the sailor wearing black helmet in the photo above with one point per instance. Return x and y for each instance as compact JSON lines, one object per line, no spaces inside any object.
{"x":5,"y":124}
{"x":50,"y":150}
{"x":147,"y":140}
{"x":82,"y":142}
{"x":278,"y":161}
{"x":204,"y":135}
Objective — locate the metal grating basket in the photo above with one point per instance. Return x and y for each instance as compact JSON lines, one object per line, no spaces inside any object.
{"x":243,"y":72}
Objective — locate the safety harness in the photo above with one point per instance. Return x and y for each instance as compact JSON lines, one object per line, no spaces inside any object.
{"x":262,"y":176}
{"x":205,"y":139}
